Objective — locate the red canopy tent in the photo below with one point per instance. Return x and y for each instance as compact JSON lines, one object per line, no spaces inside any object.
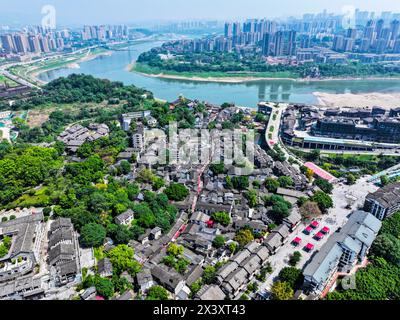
{"x":325,"y":230}
{"x":308,"y":230}
{"x":319,"y":235}
{"x":315,"y":224}
{"x":309,"y":247}
{"x":296,"y":241}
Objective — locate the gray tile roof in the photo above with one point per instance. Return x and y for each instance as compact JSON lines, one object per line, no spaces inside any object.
{"x":386,"y":196}
{"x":210,"y":293}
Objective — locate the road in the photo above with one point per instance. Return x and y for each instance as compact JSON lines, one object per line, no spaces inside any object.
{"x":274,"y":124}
{"x":337,"y":217}
{"x":23,"y":80}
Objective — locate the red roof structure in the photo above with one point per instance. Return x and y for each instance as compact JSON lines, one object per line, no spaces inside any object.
{"x":319,"y":235}
{"x":325,"y":230}
{"x":309,"y":247}
{"x":320,"y":172}
{"x":297,"y":240}
{"x":308,"y":229}
{"x":314,"y":224}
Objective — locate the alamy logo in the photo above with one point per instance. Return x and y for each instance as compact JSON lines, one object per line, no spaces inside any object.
{"x":199,"y":146}
{"x":349,"y":282}
{"x":49,"y":17}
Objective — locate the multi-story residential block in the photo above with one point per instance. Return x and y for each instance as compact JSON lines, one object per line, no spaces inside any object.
{"x":342,"y":251}
{"x":384,"y":202}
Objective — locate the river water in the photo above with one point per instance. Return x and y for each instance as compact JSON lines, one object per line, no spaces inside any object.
{"x":248,"y":94}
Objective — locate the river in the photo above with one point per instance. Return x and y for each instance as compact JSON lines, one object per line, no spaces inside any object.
{"x":114,"y":67}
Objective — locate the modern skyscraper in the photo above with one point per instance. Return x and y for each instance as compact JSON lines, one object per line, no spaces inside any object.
{"x":44,"y":44}
{"x":352,"y":33}
{"x":267,"y":44}
{"x":338,"y":43}
{"x":279,"y":43}
{"x":228,"y":30}
{"x":291,"y":43}
{"x":348,"y":44}
{"x":395,"y":29}
{"x":21,"y":42}
{"x":7,"y":42}
{"x":34,"y":45}
{"x":379,"y":27}
{"x":305,"y":41}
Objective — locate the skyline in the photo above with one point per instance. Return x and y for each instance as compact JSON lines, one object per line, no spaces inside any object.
{"x":123,"y":11}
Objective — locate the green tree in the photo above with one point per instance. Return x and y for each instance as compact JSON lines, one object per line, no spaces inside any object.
{"x":158,"y":183}
{"x":176,"y":192}
{"x":351,"y":179}
{"x":222,"y":218}
{"x":121,"y":257}
{"x":218,"y":168}
{"x":219,"y":241}
{"x":385,"y":180}
{"x":157,"y":293}
{"x":295,"y":258}
{"x":252,"y":198}
{"x":388,"y":247}
{"x":282,"y":291}
{"x":92,"y":235}
{"x":323,"y":200}
{"x":175,"y":250}
{"x":209,"y":274}
{"x":292,"y":276}
{"x":285,"y":181}
{"x":391,"y":225}
{"x":243,"y":237}
{"x":195,"y":287}
{"x":324,"y":185}
{"x":104,"y":287}
{"x":125,"y":167}
{"x":272,"y":185}
{"x":233,"y":247}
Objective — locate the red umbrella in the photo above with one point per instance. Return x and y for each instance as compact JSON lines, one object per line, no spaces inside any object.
{"x":315,"y":224}
{"x":319,"y":235}
{"x":326,"y":230}
{"x":309,"y":247}
{"x":297,"y":240}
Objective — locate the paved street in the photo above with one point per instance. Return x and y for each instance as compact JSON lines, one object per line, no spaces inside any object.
{"x":337,"y":217}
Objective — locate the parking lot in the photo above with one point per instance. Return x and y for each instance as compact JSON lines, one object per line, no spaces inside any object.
{"x":343,"y":196}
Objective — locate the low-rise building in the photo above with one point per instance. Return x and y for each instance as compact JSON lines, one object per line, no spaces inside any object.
{"x":210,"y":293}
{"x":26,"y":235}
{"x":168,"y":278}
{"x":105,"y":268}
{"x":144,"y":280}
{"x":125,"y":218}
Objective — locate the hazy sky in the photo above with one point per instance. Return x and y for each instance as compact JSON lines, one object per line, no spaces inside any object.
{"x":131,"y":11}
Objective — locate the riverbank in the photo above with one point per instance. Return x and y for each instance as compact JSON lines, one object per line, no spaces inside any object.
{"x":385,"y":100}
{"x":70,"y":62}
{"x":237,"y":77}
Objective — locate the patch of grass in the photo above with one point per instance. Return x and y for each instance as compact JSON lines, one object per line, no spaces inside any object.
{"x":4,"y":80}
